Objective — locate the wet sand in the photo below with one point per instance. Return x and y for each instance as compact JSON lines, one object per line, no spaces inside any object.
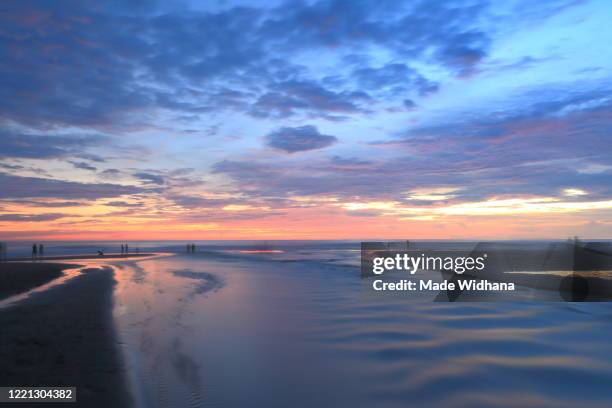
{"x":16,"y":277}
{"x":65,"y":336}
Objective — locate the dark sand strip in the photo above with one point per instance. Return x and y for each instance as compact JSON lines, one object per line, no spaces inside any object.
{"x":65,"y":337}
{"x":18,"y":277}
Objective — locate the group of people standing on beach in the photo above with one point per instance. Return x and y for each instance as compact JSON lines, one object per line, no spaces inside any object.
{"x":38,"y":251}
{"x":191,"y":248}
{"x":125,"y":249}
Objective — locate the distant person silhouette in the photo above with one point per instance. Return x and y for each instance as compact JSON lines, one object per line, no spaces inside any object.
{"x":34,"y":251}
{"x":122,"y":249}
{"x":126,"y":248}
{"x":41,"y":250}
{"x":193,"y":248}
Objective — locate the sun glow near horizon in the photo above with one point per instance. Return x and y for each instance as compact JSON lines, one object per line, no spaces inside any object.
{"x":328,"y":219}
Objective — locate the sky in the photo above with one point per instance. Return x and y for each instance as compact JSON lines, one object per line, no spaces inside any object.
{"x":316,"y":119}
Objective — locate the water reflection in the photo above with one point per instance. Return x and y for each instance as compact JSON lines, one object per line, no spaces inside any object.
{"x":205,"y":331}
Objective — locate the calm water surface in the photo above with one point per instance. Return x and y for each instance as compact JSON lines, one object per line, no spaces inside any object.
{"x":298,"y":329}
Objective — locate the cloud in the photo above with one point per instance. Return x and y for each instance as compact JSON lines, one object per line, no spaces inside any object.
{"x":196,"y":74}
{"x":348,"y":164}
{"x":335,"y":177}
{"x":83,"y":166}
{"x":11,"y":166}
{"x":123,"y":204}
{"x":432,"y":194}
{"x":407,"y":29}
{"x":26,"y":217}
{"x":594,"y":168}
{"x":468,"y":50}
{"x":574,"y":192}
{"x":193,"y":201}
{"x":540,"y":148}
{"x":38,"y":146}
{"x":52,"y":204}
{"x":396,"y":77}
{"x":150,"y":178}
{"x":248,"y":59}
{"x":409,"y":104}
{"x":510,"y":206}
{"x":289,"y":98}
{"x":93,"y":157}
{"x":299,"y":139}
{"x":111,"y":172}
{"x":46,"y":72}
{"x":15,"y":187}
{"x":250,"y":173}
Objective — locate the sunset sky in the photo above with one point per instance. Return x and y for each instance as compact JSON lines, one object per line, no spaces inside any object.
{"x":305,"y":120}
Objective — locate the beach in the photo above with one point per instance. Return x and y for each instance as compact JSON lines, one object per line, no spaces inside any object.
{"x":232,"y":327}
{"x":64,"y":336}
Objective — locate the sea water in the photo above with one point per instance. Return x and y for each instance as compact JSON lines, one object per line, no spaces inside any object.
{"x":296,"y":326}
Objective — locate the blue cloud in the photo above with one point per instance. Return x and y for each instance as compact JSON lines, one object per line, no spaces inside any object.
{"x":16,"y":187}
{"x":26,"y":217}
{"x":150,"y":178}
{"x":66,"y":63}
{"x":299,"y":139}
{"x":396,"y":77}
{"x":120,"y":68}
{"x":38,"y":146}
{"x":83,"y":166}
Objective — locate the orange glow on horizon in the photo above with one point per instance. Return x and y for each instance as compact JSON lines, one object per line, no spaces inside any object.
{"x":314,"y":223}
